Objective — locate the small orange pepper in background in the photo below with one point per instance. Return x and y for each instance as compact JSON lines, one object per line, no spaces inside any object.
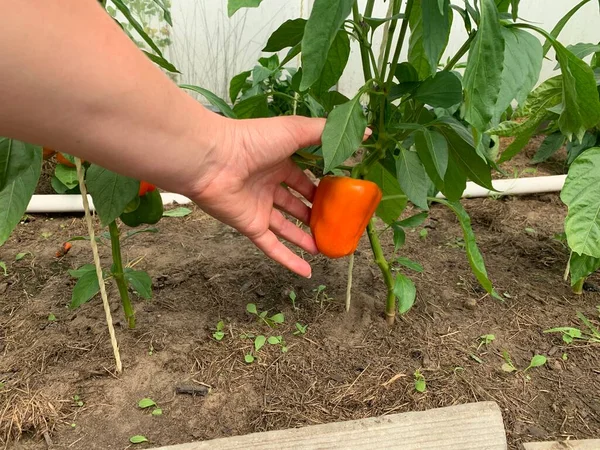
{"x":340,"y":213}
{"x":48,"y":153}
{"x":145,"y":187}
{"x":64,"y":250}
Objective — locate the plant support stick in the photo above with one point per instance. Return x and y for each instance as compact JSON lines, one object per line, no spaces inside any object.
{"x":94,"y":245}
{"x":349,"y":285}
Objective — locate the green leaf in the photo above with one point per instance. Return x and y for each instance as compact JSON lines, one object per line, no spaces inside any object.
{"x":405,"y":291}
{"x":576,"y":148}
{"x":420,"y":385}
{"x":166,"y":12}
{"x":399,"y":237}
{"x":138,"y":439}
{"x":111,"y":192}
{"x":581,"y":193}
{"x":551,"y":144}
{"x":409,"y":263}
{"x":437,"y":21}
{"x":251,"y":308}
{"x":234,"y":5}
{"x":144,"y":230}
{"x":466,"y":158}
{"x":582,"y":50}
{"x":85,"y":289}
{"x":21,"y":255}
{"x":561,"y":24}
{"x":259,"y":342}
{"x":473,"y":254}
{"x":343,"y":134}
{"x":537,"y":361}
{"x":58,"y":187}
{"x":177,"y":212}
{"x":78,"y":273}
{"x":66,"y":175}
{"x":157,"y":412}
{"x":146,"y":403}
{"x":162,"y":62}
{"x":412,"y":177}
{"x":483,"y":74}
{"x":238,"y":83}
{"x":20,"y":168}
{"x":522,"y":65}
{"x":51,"y":317}
{"x":3,"y":267}
{"x":337,"y":58}
{"x":440,"y":91}
{"x":433,"y":152}
{"x":274,"y":340}
{"x":506,"y":367}
{"x":260,"y":74}
{"x":580,"y":103}
{"x":326,"y":18}
{"x":416,"y":50}
{"x":375,"y":23}
{"x":287,"y":35}
{"x":140,"y":281}
{"x":393,"y":201}
{"x":248,"y":358}
{"x":214,"y":100}
{"x":582,"y":266}
{"x":252,"y":107}
{"x":277,"y":318}
{"x":413,"y":221}
{"x":136,"y":25}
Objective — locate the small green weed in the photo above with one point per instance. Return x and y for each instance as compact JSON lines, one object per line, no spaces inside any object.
{"x":272,"y":321}
{"x":420,"y":383}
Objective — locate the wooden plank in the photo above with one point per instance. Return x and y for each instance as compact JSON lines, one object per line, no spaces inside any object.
{"x":473,"y":426}
{"x":588,"y":444}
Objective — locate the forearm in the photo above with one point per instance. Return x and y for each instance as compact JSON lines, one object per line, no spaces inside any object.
{"x":71,"y":80}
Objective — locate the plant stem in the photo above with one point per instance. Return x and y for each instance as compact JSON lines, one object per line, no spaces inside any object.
{"x":390,"y":304}
{"x":403,"y":30}
{"x":364,"y":56}
{"x":388,"y":37}
{"x":118,"y":273}
{"x":578,"y":287}
{"x":461,"y":51}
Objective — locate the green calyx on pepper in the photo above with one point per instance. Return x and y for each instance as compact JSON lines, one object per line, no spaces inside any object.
{"x":144,"y":209}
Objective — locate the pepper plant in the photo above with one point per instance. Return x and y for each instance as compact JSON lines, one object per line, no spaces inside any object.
{"x":433,"y":124}
{"x":566,"y":108}
{"x":115,"y":197}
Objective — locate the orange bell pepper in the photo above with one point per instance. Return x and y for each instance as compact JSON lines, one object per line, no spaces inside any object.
{"x":340,"y":213}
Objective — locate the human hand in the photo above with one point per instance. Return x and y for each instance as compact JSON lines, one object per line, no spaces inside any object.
{"x":242,"y":181}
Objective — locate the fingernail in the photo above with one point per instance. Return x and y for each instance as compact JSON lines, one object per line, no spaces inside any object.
{"x":309,"y":276}
{"x":368,"y":132}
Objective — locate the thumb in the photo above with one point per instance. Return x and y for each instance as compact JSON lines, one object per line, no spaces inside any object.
{"x":307,"y":131}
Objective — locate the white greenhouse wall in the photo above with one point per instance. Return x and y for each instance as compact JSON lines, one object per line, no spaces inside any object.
{"x":209,"y":48}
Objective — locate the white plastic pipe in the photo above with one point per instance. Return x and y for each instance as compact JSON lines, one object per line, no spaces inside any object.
{"x":45,"y":204}
{"x":516,"y":186}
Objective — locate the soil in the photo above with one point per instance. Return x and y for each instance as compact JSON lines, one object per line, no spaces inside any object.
{"x":346,"y":366}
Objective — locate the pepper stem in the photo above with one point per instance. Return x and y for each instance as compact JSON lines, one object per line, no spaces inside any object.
{"x":119,"y":275}
{"x":390,"y":304}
